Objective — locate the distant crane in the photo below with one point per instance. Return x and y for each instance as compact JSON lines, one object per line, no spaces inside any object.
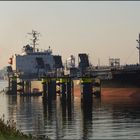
{"x":138,"y":47}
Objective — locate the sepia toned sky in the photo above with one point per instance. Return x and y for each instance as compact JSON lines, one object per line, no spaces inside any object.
{"x":102,"y":29}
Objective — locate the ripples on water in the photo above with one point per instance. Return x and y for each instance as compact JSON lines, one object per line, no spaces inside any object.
{"x":103,"y":119}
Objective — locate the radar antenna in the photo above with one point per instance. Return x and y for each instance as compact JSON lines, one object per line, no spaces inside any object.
{"x":138,"y":47}
{"x":35,"y":35}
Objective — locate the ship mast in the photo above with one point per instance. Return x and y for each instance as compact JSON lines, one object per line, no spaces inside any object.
{"x":138,"y":47}
{"x":35,"y":39}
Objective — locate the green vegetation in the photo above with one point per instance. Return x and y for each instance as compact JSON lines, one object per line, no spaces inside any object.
{"x":8,"y":131}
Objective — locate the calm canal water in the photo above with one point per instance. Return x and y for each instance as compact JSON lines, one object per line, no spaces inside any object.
{"x":103,"y":119}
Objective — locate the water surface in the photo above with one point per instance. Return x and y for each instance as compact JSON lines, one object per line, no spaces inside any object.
{"x":108,"y":118}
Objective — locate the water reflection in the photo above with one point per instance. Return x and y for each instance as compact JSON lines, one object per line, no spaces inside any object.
{"x":12,"y":106}
{"x":86,"y":108}
{"x":57,"y":115}
{"x":27,"y":112}
{"x":110,"y":117}
{"x":105,"y":118}
{"x":119,"y":118}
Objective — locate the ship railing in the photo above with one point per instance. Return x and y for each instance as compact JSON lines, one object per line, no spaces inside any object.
{"x":132,"y":66}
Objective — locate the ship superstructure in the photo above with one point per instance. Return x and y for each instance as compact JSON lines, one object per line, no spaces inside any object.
{"x":32,"y":62}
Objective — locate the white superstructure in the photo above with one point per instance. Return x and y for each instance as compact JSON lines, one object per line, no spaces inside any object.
{"x":35,"y":62}
{"x":27,"y":63}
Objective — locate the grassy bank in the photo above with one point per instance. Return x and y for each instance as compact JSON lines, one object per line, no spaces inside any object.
{"x":8,"y":131}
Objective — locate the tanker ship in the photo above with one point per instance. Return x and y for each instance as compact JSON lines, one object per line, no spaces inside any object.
{"x":125,"y":78}
{"x":33,"y":63}
{"x":116,"y":78}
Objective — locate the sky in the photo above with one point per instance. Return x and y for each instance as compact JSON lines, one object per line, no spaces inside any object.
{"x":102,"y":29}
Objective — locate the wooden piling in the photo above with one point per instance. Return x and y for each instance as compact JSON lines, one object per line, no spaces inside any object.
{"x":52,"y":88}
{"x":14,"y":85}
{"x":45,"y":87}
{"x":86,"y":89}
{"x":63,"y":88}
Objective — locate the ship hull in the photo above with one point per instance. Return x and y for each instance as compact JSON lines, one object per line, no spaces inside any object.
{"x":114,"y":90}
{"x":110,"y":88}
{"x":126,"y":78}
{"x":120,"y":83}
{"x":123,"y":83}
{"x":121,"y":92}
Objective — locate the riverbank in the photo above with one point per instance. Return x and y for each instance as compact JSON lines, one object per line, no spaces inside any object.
{"x":8,"y":131}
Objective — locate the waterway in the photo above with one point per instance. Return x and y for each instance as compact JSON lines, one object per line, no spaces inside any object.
{"x":103,"y":119}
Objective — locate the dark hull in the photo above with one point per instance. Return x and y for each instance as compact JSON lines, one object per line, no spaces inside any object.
{"x":113,"y":83}
{"x":123,"y":79}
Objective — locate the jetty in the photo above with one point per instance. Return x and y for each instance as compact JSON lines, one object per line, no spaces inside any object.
{"x":40,"y":73}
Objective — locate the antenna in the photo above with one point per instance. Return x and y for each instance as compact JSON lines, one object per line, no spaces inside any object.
{"x":138,"y":47}
{"x":35,"y":36}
